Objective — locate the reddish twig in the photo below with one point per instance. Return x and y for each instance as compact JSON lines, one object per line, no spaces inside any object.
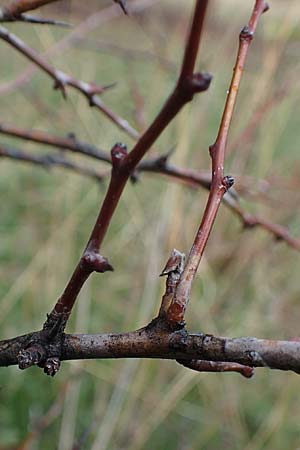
{"x":123,"y":164}
{"x":47,"y":349}
{"x":219,"y":184}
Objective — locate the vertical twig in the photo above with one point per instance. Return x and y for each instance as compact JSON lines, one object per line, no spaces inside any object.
{"x":123,"y":164}
{"x":220,"y":184}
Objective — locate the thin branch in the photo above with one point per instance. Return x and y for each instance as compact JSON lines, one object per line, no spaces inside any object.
{"x":159,"y":165}
{"x":64,"y":143}
{"x":18,"y":7}
{"x":279,"y":232}
{"x":62,"y":80}
{"x":220,"y":184}
{"x":49,"y":161}
{"x":48,"y":349}
{"x":151,"y":342}
{"x":123,"y":165}
{"x":15,"y":12}
{"x":122,"y":4}
{"x":94,"y":20}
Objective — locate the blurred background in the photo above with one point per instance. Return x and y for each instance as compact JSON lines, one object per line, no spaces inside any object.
{"x":248,"y":284}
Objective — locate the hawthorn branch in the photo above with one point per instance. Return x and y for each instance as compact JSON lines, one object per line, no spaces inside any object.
{"x":122,"y":4}
{"x":150,"y":342}
{"x":220,"y":184}
{"x":159,"y":165}
{"x":15,"y":12}
{"x":49,"y":161}
{"x":18,"y":7}
{"x":61,"y":80}
{"x":123,"y":164}
{"x":94,"y":20}
{"x":47,"y":350}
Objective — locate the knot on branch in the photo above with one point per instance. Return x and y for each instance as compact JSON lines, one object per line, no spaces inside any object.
{"x":162,"y":161}
{"x":194,"y":84}
{"x":92,"y":261}
{"x":31,"y":356}
{"x":249,"y":221}
{"x":246,"y":34}
{"x":52,"y":366}
{"x":227,"y":182}
{"x":60,"y":82}
{"x":45,"y":347}
{"x":118,"y":154}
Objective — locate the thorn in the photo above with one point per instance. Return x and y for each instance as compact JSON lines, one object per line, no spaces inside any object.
{"x":122,"y":4}
{"x":58,"y":85}
{"x":135,"y":177}
{"x":162,"y":160}
{"x":106,"y":87}
{"x":41,"y":21}
{"x":266,"y":8}
{"x":95,"y":89}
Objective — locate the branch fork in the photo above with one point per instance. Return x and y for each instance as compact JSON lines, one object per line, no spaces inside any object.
{"x":166,"y":336}
{"x":44,"y":348}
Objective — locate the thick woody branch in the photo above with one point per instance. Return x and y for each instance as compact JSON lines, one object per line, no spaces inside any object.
{"x":220,"y":184}
{"x":150,"y":342}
